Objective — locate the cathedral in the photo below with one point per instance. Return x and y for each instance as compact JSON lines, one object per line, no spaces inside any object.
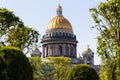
{"x":59,"y":40}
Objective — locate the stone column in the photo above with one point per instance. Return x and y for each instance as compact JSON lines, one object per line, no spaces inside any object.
{"x":43,"y":47}
{"x":48,"y":50}
{"x":45,"y":51}
{"x":69,"y":50}
{"x":63,"y":47}
{"x":51,"y":50}
{"x":75,"y":51}
{"x":54,"y":50}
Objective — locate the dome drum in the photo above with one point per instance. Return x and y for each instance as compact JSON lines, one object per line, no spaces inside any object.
{"x":59,"y":49}
{"x":59,"y":35}
{"x":59,"y":30}
{"x":54,"y":41}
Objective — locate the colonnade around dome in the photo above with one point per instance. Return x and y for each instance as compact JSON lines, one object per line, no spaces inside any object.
{"x":59,"y":35}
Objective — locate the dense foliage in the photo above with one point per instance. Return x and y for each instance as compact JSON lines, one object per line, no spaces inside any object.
{"x":23,"y":38}
{"x":7,"y":21}
{"x":36,"y":64}
{"x":14,"y":33}
{"x":82,"y":72}
{"x":61,"y":67}
{"x":14,"y":65}
{"x":107,"y":19}
{"x":51,"y":68}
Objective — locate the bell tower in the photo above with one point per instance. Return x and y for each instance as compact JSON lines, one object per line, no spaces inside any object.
{"x":88,"y":56}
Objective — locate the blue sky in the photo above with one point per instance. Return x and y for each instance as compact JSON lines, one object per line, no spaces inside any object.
{"x":37,"y":14}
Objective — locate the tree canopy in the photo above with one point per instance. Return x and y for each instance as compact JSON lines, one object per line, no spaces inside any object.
{"x":13,"y":31}
{"x":14,"y":65}
{"x":61,"y":67}
{"x":7,"y":21}
{"x":36,"y":64}
{"x":52,"y":68}
{"x":23,"y":38}
{"x":107,"y":22}
{"x":82,"y":72}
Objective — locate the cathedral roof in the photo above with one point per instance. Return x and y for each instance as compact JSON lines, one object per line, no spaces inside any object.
{"x":59,"y":22}
{"x":88,"y":51}
{"x":36,"y":52}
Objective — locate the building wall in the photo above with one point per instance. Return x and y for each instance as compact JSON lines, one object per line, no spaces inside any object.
{"x":59,"y":49}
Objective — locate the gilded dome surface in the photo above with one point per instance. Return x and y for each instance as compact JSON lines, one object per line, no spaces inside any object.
{"x":59,"y":22}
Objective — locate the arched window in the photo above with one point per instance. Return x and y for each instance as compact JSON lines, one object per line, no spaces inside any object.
{"x":69,"y":34}
{"x":60,"y":51}
{"x":60,"y":34}
{"x":56,"y":34}
{"x":88,"y":60}
{"x":50,"y":34}
{"x":63,"y":34}
{"x":66,"y":34}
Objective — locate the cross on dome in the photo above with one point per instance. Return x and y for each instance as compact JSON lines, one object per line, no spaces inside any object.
{"x":59,"y":10}
{"x":88,"y":48}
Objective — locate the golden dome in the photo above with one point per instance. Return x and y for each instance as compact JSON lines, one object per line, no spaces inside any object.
{"x":59,"y":22}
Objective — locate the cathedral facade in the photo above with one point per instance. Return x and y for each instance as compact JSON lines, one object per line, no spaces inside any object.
{"x":59,"y":39}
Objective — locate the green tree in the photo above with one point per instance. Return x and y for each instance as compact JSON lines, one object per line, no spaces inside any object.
{"x":14,"y":65}
{"x":36,"y":64}
{"x":82,"y":72}
{"x":107,"y":19}
{"x":61,"y":67}
{"x":23,"y":37}
{"x":14,"y":33}
{"x":8,"y":20}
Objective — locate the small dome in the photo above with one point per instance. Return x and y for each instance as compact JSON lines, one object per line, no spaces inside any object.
{"x":88,"y":51}
{"x":36,"y":52}
{"x":59,"y":22}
